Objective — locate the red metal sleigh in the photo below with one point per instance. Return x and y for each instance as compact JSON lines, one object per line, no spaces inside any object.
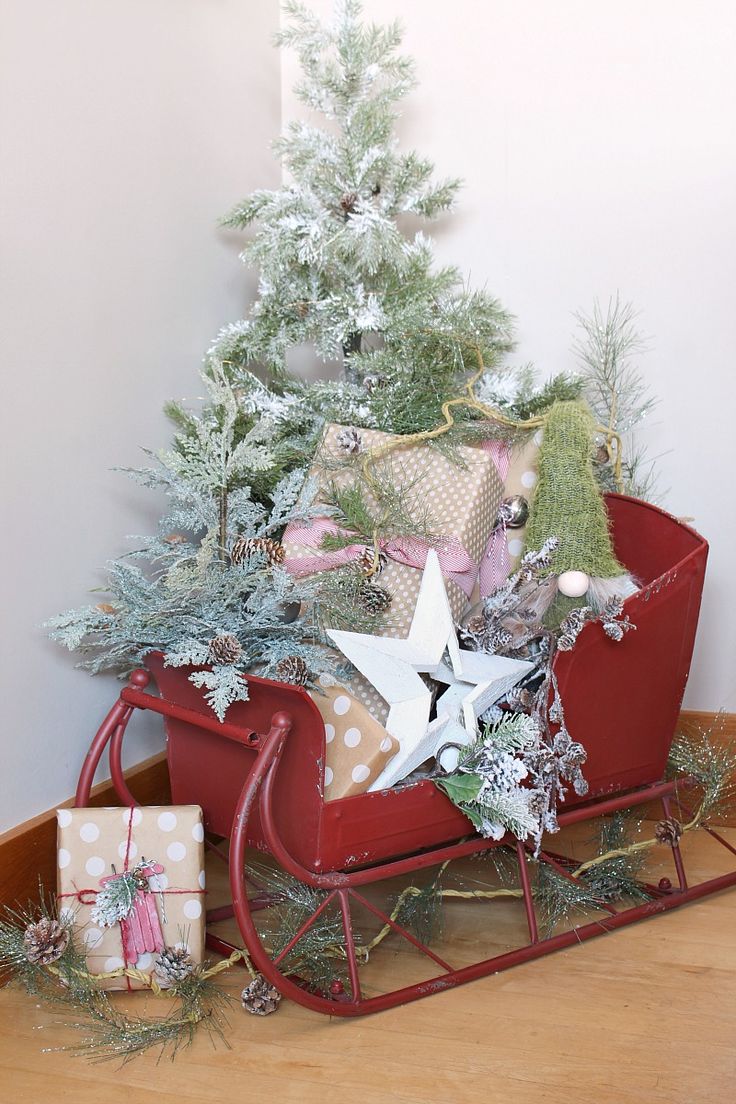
{"x":259,"y":776}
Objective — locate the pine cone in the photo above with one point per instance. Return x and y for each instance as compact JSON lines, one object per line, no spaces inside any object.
{"x":260,"y":997}
{"x":373,"y":382}
{"x":246,"y":546}
{"x":373,"y":598}
{"x":349,"y":440}
{"x":225,"y":649}
{"x":668,"y":831}
{"x":45,"y":941}
{"x":368,"y":559}
{"x":348,"y":202}
{"x":172,"y":965}
{"x":292,"y":669}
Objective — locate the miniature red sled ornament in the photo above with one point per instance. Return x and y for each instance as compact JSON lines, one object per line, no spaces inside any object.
{"x":259,"y":776}
{"x":140,"y":929}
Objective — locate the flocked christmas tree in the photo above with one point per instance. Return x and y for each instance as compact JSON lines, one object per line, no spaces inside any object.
{"x":337,"y":271}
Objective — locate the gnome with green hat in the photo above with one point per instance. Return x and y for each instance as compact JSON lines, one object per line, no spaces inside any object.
{"x":568,"y":505}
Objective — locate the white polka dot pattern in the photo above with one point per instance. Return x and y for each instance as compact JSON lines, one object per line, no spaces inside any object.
{"x":127,"y":848}
{"x":354,"y":740}
{"x":92,"y":841}
{"x":521,"y":479}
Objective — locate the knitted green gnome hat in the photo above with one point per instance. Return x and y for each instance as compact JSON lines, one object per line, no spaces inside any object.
{"x":568,"y":504}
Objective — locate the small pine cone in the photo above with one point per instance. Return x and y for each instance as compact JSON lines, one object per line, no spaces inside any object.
{"x":172,"y":965}
{"x":348,"y":202}
{"x":349,"y":440}
{"x":668,"y":831}
{"x":45,"y":941}
{"x":371,"y":565}
{"x":373,"y":598}
{"x":225,"y":649}
{"x":260,"y":997}
{"x":373,"y":382}
{"x":476,"y":626}
{"x":105,"y":607}
{"x":292,"y":669}
{"x":246,"y":546}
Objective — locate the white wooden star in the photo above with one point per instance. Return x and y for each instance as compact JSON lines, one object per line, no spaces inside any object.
{"x":432,"y":629}
{"x":474,"y":680}
{"x":482,"y":681}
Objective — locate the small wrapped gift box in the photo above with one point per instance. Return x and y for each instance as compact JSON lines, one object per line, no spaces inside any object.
{"x":358,"y":747}
{"x":133,"y":881}
{"x":461,"y":500}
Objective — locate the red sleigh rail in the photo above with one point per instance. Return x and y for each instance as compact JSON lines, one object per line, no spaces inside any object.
{"x":259,"y":777}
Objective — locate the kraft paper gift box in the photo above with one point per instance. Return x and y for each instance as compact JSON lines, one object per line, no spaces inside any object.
{"x":521,"y":479}
{"x":171,"y":912}
{"x":358,"y":746}
{"x":462,"y":500}
{"x":516,"y":466}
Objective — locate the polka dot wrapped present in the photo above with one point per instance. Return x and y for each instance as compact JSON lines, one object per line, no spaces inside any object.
{"x":456,"y":498}
{"x":132,"y":882}
{"x":358,"y":746}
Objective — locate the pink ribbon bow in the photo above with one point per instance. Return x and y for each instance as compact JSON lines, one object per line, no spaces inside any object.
{"x":455,"y":561}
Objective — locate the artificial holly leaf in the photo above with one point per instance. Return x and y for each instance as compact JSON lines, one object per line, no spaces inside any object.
{"x":461,"y":788}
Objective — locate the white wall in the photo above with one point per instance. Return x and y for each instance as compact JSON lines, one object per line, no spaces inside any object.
{"x":127,"y":130}
{"x":596,"y":141}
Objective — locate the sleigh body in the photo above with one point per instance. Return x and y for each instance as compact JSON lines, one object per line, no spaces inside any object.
{"x":259,"y":776}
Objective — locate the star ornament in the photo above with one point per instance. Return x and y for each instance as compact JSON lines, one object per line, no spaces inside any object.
{"x":393,"y":666}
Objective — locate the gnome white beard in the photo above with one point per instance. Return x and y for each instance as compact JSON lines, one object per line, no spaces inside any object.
{"x":601,"y":591}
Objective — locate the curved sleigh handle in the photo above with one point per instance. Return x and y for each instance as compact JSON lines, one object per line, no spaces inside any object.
{"x":111,"y":731}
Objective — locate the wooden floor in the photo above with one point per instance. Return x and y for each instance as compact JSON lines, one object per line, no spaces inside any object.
{"x":647,"y":1014}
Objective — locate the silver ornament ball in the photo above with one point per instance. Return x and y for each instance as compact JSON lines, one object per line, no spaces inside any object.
{"x":513,"y":512}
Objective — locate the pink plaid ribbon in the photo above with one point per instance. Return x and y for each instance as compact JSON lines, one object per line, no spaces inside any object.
{"x":495,"y":563}
{"x":455,"y":561}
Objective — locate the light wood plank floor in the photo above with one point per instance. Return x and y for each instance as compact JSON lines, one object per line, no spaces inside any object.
{"x":644,"y":1014}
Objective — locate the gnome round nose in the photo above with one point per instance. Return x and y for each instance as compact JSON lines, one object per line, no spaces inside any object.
{"x":573,"y":584}
{"x":568,"y":504}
